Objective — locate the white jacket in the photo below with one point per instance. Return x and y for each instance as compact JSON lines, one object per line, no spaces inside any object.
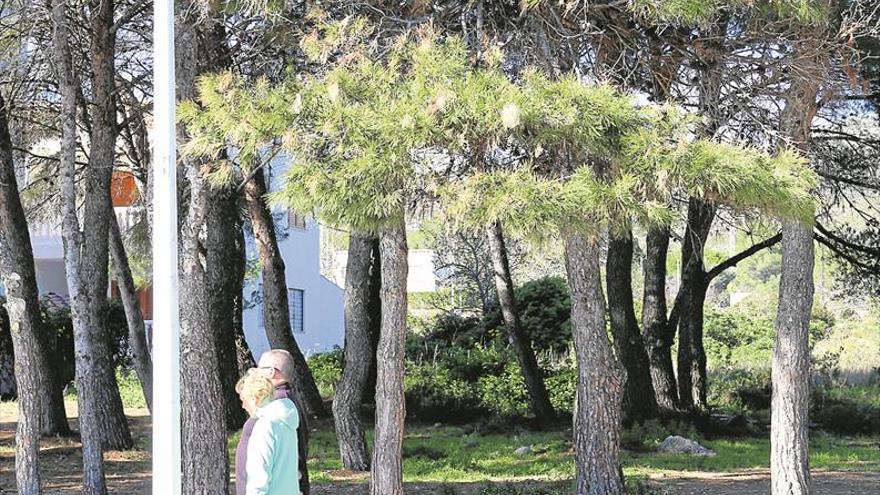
{"x":272,"y":453}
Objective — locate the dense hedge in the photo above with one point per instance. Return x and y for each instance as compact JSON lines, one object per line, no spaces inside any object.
{"x":58,"y":329}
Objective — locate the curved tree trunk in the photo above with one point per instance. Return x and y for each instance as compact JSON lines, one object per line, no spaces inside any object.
{"x":23,"y":309}
{"x":92,"y":450}
{"x":137,"y":334}
{"x":639,"y":401}
{"x":539,"y":399}
{"x":694,"y":283}
{"x":386,"y":477}
{"x":276,"y":312}
{"x":223,"y":266}
{"x":600,"y":376}
{"x":244,"y":357}
{"x":659,"y":334}
{"x":350,"y":390}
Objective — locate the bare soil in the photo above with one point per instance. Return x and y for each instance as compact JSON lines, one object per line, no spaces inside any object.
{"x":129,"y":472}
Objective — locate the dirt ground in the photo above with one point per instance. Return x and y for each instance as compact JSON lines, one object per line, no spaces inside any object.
{"x":129,"y":472}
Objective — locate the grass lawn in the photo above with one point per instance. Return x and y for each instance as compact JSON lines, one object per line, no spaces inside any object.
{"x":458,"y":454}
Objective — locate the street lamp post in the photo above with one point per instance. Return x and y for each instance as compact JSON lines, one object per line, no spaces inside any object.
{"x":166,"y":323}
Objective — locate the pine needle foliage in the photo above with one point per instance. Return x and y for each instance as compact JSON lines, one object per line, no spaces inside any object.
{"x":235,"y":118}
{"x":358,"y":146}
{"x":587,"y":157}
{"x":695,"y":12}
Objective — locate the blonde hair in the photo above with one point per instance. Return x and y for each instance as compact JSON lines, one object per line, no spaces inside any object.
{"x":255,"y":385}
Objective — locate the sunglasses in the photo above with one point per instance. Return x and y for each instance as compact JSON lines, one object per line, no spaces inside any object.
{"x":270,"y":370}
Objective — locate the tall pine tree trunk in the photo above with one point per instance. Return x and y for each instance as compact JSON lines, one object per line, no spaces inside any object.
{"x":600,"y":376}
{"x":659,"y":334}
{"x":386,"y":477}
{"x":639,"y":401}
{"x":243,"y":354}
{"x":54,"y":422}
{"x":92,"y":451}
{"x":224,"y":267}
{"x":789,"y":451}
{"x":358,"y":355}
{"x":97,"y":214}
{"x":539,"y":399}
{"x":694,"y":283}
{"x":790,"y":404}
{"x":137,"y":334}
{"x":205,"y":469}
{"x":23,"y":309}
{"x":276,"y":311}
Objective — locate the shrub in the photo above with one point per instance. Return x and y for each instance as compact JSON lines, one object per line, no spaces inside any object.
{"x":545,"y":311}
{"x":740,"y":389}
{"x":433,"y":393}
{"x":847,"y":410}
{"x":58,"y":330}
{"x":326,"y":368}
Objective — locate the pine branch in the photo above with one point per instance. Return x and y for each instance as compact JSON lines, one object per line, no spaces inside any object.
{"x":733,"y":260}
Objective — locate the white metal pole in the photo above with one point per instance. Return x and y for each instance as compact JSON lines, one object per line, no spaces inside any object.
{"x":166,"y":323}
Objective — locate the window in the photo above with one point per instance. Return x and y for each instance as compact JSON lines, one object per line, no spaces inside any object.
{"x":295,"y":301}
{"x":295,"y":220}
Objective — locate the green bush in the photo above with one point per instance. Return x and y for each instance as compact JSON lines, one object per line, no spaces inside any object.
{"x":326,"y":368}
{"x":433,"y":393}
{"x":739,"y":389}
{"x":545,"y":311}
{"x":465,"y":364}
{"x":847,"y":410}
{"x":57,"y":326}
{"x":130,"y":389}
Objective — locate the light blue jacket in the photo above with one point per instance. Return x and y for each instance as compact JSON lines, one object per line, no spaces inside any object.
{"x":272,"y":455}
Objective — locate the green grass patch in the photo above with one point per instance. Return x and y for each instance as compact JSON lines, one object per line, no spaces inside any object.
{"x":460,"y":454}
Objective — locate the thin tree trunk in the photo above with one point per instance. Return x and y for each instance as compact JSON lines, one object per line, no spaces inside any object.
{"x":223,"y":268}
{"x":375,"y":311}
{"x":639,"y":400}
{"x":276,"y":312}
{"x":694,"y":283}
{"x":23,"y":309}
{"x":92,"y":451}
{"x":539,"y":399}
{"x":243,"y":355}
{"x":600,"y":376}
{"x":97,"y":214}
{"x":350,"y":390}
{"x":789,"y":420}
{"x":205,"y":466}
{"x":386,"y":477}
{"x":659,"y":334}
{"x":137,"y":334}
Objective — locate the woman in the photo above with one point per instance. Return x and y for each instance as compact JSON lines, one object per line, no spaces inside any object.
{"x":272,"y":452}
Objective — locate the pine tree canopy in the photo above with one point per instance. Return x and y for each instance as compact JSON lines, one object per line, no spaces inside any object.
{"x":540,"y":153}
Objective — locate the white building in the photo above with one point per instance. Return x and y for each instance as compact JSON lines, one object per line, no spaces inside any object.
{"x":421,"y":276}
{"x":316,"y":316}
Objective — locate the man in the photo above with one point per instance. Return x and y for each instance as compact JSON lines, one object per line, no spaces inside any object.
{"x":278,"y":366}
